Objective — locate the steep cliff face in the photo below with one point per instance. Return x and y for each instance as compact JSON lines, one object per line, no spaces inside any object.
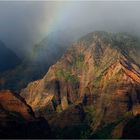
{"x":17,"y":119}
{"x":100,"y":70}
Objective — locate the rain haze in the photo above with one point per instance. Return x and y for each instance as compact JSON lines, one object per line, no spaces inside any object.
{"x":25,"y":23}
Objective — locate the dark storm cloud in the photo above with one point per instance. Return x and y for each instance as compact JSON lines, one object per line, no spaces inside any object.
{"x":23,"y":24}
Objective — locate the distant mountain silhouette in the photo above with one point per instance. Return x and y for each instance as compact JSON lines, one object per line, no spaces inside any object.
{"x":8,"y":59}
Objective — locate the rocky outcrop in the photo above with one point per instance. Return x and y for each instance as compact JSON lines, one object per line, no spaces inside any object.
{"x":14,"y":103}
{"x":17,"y":119}
{"x":100,"y":70}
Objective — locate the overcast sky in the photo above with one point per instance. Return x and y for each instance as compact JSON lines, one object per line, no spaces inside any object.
{"x":23,"y":24}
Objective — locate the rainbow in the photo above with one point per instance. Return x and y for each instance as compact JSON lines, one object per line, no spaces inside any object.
{"x":57,"y":15}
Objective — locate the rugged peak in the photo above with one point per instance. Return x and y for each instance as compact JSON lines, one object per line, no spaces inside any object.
{"x":120,"y":41}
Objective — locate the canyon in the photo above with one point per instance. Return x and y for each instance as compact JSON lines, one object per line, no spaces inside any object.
{"x":91,"y":91}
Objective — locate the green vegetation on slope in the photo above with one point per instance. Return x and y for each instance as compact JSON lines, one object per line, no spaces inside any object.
{"x":68,"y":76}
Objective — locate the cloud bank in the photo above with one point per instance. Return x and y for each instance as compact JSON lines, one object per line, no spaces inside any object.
{"x":25,"y":23}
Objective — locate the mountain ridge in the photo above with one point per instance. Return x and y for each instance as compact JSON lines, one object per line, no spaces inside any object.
{"x":36,"y":62}
{"x":100,"y":71}
{"x":65,"y":60}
